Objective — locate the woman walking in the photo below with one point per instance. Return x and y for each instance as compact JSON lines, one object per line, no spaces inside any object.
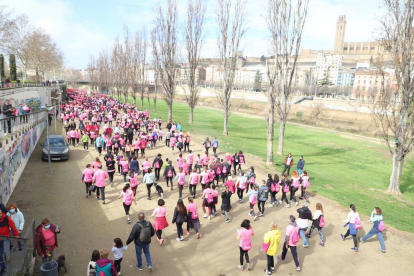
{"x":110,"y":166}
{"x":193,"y":180}
{"x":244,"y":235}
{"x":160,"y":221}
{"x":354,"y":224}
{"x":226,"y":202}
{"x":377,"y":229}
{"x":181,"y":181}
{"x":87,"y":176}
{"x":291,"y":240}
{"x":317,"y":217}
{"x":274,"y":187}
{"x":271,"y":240}
{"x":180,"y":216}
{"x":149,"y":179}
{"x":193,"y":221}
{"x":252,"y":201}
{"x":18,"y":219}
{"x":118,"y":250}
{"x":285,"y":186}
{"x":127,"y":196}
{"x":105,"y":265}
{"x":241,"y":185}
{"x":294,"y":187}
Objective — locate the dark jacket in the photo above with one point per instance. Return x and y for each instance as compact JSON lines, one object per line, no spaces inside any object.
{"x":136,"y":231}
{"x":159,"y":159}
{"x":134,"y":166}
{"x":167,"y":169}
{"x":305,"y":213}
{"x":7,"y":110}
{"x":225,"y":201}
{"x":179,"y":218}
{"x":40,"y":240}
{"x":301,"y":164}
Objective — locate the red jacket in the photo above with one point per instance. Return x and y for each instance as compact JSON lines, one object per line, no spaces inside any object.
{"x":5,"y":223}
{"x":40,"y":239}
{"x":291,"y":162}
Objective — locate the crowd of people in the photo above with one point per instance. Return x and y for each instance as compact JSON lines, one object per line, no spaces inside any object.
{"x":123,"y":135}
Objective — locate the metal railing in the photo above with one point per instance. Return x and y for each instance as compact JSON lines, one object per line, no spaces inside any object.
{"x":18,"y":124}
{"x":27,"y":84}
{"x":24,"y":251}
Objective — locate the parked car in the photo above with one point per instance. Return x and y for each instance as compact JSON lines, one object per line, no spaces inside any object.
{"x":59,"y":148}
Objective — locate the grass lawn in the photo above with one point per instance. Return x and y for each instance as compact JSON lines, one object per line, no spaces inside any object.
{"x":346,"y":170}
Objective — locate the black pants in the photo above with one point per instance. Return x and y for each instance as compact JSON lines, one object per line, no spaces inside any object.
{"x":240,"y":193}
{"x":87,"y":185}
{"x":180,"y":191}
{"x":99,"y":150}
{"x":284,"y":197}
{"x":261,"y":205}
{"x":294,"y":253}
{"x":273,"y":197}
{"x":73,"y":141}
{"x":117,"y":264}
{"x":292,"y":193}
{"x":149,"y":189}
{"x":186,"y":146}
{"x":287,"y":167}
{"x":180,"y":232}
{"x":193,"y":190}
{"x":111,"y":176}
{"x":270,"y":262}
{"x":235,"y":167}
{"x":169,"y":179}
{"x":354,"y":237}
{"x":159,"y":234}
{"x":126,"y":208}
{"x":245,"y":254}
{"x":214,"y":150}
{"x":167,"y":142}
{"x":157,"y":173}
{"x":207,"y":150}
{"x":102,"y":191}
{"x":8,"y":125}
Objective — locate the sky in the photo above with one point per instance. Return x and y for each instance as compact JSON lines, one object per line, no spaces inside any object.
{"x":82,"y":28}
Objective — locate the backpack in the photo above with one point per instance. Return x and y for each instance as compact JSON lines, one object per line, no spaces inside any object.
{"x":295,"y":183}
{"x":128,"y":199}
{"x":145,"y":234}
{"x":208,"y":144}
{"x":357,"y":224}
{"x":194,"y":215}
{"x":157,"y":165}
{"x":101,"y":273}
{"x":254,"y":200}
{"x":242,"y":159}
{"x":252,"y":180}
{"x":190,"y":159}
{"x":286,"y":188}
{"x":265,"y":193}
{"x":210,"y":198}
{"x":246,"y":244}
{"x":100,"y":143}
{"x":381,"y":226}
{"x":321,"y":222}
{"x":224,"y":169}
{"x":170,"y":173}
{"x":275,"y":187}
{"x":243,"y":185}
{"x":295,"y":237}
{"x":236,"y":159}
{"x":218,"y":171}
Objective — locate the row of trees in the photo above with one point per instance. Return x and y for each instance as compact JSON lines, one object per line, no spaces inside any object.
{"x":12,"y":68}
{"x":33,"y":47}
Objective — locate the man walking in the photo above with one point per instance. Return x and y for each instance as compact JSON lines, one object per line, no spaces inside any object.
{"x":300,"y":165}
{"x":99,"y":178}
{"x":141,"y":235}
{"x":8,"y":113}
{"x":288,"y":164}
{"x":304,"y":216}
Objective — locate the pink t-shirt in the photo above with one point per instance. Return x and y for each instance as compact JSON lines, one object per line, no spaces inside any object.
{"x":181,"y":178}
{"x":95,"y":165}
{"x":206,"y":192}
{"x":193,"y":178}
{"x":232,"y":186}
{"x":99,"y":178}
{"x":160,"y":211}
{"x":49,"y":237}
{"x":88,"y":175}
{"x":290,"y":229}
{"x":127,"y":195}
{"x":192,"y":207}
{"x":134,"y":180}
{"x":245,"y":234}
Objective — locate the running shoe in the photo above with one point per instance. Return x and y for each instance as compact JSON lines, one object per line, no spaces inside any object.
{"x":280,"y":259}
{"x":342,"y":237}
{"x":297,"y":268}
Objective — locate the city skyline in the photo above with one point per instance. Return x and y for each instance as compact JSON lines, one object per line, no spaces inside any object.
{"x":82,"y":29}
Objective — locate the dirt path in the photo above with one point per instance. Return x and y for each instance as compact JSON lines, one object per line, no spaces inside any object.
{"x":87,"y":224}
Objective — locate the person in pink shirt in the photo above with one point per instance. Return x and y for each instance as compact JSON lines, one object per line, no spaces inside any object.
{"x":291,"y":240}
{"x":180,"y":161}
{"x":206,"y":159}
{"x":244,"y":235}
{"x":193,"y":180}
{"x":193,"y":221}
{"x":99,"y":179}
{"x":160,"y":221}
{"x":173,"y":141}
{"x":180,"y":177}
{"x":136,"y":146}
{"x":133,"y":180}
{"x":207,"y":201}
{"x":231,"y":184}
{"x":87,"y":176}
{"x":96,"y":164}
{"x":190,"y":160}
{"x":146,"y":165}
{"x":127,"y":196}
{"x":125,"y":167}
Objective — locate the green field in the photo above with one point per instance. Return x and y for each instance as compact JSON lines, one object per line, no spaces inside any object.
{"x":346,"y":170}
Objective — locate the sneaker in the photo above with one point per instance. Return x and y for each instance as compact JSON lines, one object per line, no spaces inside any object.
{"x":150,"y":268}
{"x":240,"y":267}
{"x":87,"y":150}
{"x":240,"y":200}
{"x":255,"y":217}
{"x":280,"y":259}
{"x":119,"y":273}
{"x":342,"y":237}
{"x":139,"y":268}
{"x":128,"y":221}
{"x":187,"y":233}
{"x":223,"y":214}
{"x":321,"y":244}
{"x":250,"y":214}
{"x":205,"y":216}
{"x":182,"y":238}
{"x":305,"y":245}
{"x":288,"y":206}
{"x":270,"y":205}
{"x":307,"y":235}
{"x":268,"y":272}
{"x":209,"y":218}
{"x":354,"y":249}
{"x":297,"y":203}
{"x":248,"y":267}
{"x":361,"y":240}
{"x":103,"y":202}
{"x":272,"y":268}
{"x":297,"y":268}
{"x":178,"y":239}
{"x":227,"y":220}
{"x":380,"y":250}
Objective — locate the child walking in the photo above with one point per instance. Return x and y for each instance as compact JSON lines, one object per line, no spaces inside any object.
{"x":118,"y":250}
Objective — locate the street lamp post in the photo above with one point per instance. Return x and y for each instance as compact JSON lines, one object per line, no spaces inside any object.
{"x":48,"y":140}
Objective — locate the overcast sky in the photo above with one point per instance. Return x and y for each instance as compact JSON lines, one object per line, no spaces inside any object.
{"x":83,"y":27}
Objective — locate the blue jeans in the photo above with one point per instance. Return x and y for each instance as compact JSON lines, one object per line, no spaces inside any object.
{"x":299,"y":172}
{"x":138,"y":250}
{"x":302,"y":234}
{"x":373,"y":232}
{"x":2,"y":251}
{"x":19,"y":243}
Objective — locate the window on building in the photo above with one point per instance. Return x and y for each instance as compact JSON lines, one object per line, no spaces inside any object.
{"x":345,"y":48}
{"x":372,"y":48}
{"x":351,"y":48}
{"x":365,"y":47}
{"x":358,"y":48}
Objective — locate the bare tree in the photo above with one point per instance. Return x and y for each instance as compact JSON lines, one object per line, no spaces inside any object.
{"x":317,"y":109}
{"x":194,"y":38}
{"x":7,"y":27}
{"x":230,"y":32}
{"x":92,"y":73}
{"x":285,"y":26}
{"x":394,"y":110}
{"x":138,"y":64}
{"x":164,"y":50}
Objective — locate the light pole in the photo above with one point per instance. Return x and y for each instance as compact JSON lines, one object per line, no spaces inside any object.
{"x":47,"y":134}
{"x":55,"y":99}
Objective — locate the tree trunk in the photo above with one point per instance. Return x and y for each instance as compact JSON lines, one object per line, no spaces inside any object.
{"x":397,"y":168}
{"x":270,"y":132}
{"x":155,"y":103}
{"x":281,"y":137}
{"x":142,"y":102}
{"x":226,"y":119}
{"x":170,"y":111}
{"x":191,"y":121}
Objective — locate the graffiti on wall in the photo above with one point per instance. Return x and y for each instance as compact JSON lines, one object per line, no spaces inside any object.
{"x":34,"y":103}
{"x":26,"y":143}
